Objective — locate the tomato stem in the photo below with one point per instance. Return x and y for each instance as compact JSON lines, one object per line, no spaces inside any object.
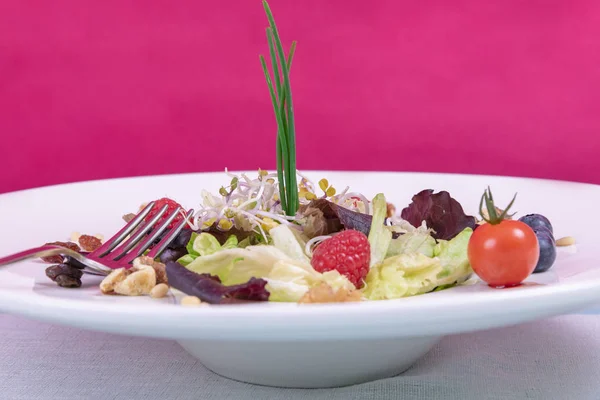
{"x":493,"y":217}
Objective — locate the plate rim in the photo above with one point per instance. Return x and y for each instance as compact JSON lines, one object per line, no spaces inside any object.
{"x":31,"y":306}
{"x":309,"y":171}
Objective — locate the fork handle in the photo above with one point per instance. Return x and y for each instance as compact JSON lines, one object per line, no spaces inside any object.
{"x":38,"y":252}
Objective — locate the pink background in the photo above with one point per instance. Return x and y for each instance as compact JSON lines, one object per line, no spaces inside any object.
{"x":159,"y":86}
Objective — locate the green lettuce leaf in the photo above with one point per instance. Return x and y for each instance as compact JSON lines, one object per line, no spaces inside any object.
{"x":379,"y":235}
{"x":401,"y":276}
{"x":186,"y":260}
{"x":244,"y":243}
{"x":288,"y":279}
{"x":453,"y":259}
{"x":205,"y":244}
{"x":231,"y":242}
{"x":190,"y":245}
{"x":289,"y":242}
{"x":410,"y":274}
{"x":252,"y":261}
{"x":412,"y":242}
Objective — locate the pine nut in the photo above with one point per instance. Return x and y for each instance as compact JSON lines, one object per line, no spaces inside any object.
{"x":190,"y":301}
{"x":566,"y":241}
{"x":159,"y":291}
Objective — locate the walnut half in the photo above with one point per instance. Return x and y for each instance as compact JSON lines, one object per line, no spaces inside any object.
{"x":132,"y":282}
{"x":108,"y":284}
{"x":159,"y":268}
{"x":139,"y":282}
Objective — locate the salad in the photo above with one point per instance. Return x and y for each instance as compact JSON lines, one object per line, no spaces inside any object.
{"x":280,"y":237}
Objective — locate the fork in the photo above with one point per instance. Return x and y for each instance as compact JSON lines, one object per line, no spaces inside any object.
{"x":118,"y":251}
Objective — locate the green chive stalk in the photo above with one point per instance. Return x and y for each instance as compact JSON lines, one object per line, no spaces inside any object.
{"x":281,"y":97}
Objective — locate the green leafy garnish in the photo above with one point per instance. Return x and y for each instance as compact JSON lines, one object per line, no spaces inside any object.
{"x":281,"y":97}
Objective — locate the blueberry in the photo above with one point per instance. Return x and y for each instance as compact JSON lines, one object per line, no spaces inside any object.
{"x":542,"y":230}
{"x":536,"y":221}
{"x":547,"y":250}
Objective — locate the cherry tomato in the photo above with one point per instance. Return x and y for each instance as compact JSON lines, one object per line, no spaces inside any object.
{"x":503,"y":254}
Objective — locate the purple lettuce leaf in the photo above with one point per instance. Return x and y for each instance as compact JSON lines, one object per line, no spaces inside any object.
{"x":222,"y":236}
{"x":352,"y":219}
{"x":209,"y":288}
{"x":324,"y":217}
{"x":440,"y":212}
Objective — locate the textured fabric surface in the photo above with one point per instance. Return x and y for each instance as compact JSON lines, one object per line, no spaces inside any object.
{"x":496,"y":86}
{"x":557,"y":358}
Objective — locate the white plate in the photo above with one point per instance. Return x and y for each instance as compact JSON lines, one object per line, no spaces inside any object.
{"x":286,"y":344}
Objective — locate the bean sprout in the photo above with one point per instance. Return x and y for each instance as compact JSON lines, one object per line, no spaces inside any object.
{"x":257,"y":199}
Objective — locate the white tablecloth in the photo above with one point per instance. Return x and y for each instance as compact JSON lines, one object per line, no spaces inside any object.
{"x":557,"y":358}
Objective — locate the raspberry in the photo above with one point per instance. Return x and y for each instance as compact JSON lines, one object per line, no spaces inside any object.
{"x":348,"y":252}
{"x":173,"y":207}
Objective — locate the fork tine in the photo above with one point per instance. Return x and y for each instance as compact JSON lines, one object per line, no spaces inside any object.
{"x":145,"y":244}
{"x":162,"y":245}
{"x":139,"y":235}
{"x":114,"y":241}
